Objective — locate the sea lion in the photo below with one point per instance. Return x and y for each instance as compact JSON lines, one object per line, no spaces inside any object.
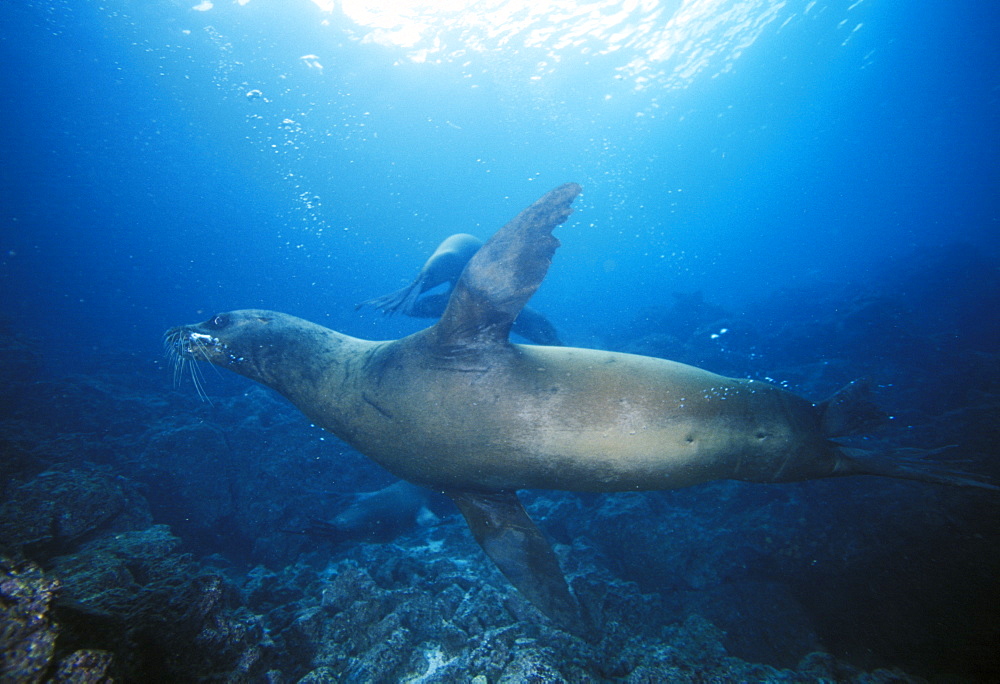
{"x":458,"y":408}
{"x":382,"y":515}
{"x":445,"y":266}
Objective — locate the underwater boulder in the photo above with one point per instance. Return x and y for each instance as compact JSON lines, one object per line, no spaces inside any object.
{"x":59,"y":508}
{"x":29,"y":631}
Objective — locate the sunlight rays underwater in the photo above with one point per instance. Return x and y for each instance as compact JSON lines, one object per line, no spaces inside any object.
{"x":665,"y":44}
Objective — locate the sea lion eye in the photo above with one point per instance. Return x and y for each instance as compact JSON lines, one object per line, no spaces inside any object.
{"x":218,"y":322}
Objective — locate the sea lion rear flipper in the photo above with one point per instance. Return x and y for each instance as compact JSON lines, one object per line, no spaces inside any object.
{"x":401,"y":300}
{"x":504,"y":273}
{"x":850,"y":411}
{"x":509,"y":537}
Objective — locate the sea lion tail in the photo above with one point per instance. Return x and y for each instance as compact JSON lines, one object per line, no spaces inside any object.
{"x":850,"y":411}
{"x":909,"y":464}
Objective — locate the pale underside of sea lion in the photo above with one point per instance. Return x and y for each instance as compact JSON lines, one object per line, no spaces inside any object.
{"x":460,"y":409}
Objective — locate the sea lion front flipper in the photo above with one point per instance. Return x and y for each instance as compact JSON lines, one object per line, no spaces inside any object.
{"x":509,"y":537}
{"x":504,"y":273}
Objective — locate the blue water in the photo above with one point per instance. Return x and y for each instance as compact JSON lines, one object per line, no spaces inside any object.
{"x":162,"y":162}
{"x":142,"y":186}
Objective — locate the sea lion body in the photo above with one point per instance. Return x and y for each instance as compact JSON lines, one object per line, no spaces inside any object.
{"x":458,"y":408}
{"x":448,"y":260}
{"x":526,"y":417}
{"x":580,"y":420}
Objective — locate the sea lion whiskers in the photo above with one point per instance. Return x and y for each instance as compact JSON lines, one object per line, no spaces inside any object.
{"x":178,"y":360}
{"x":197,"y":379}
{"x":184,"y":349}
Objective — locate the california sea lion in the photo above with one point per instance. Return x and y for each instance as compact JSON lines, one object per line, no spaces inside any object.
{"x":382,"y":515}
{"x":445,"y":265}
{"x":458,"y":408}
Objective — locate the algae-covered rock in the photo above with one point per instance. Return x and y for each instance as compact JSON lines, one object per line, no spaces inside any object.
{"x":56,"y":510}
{"x":84,"y":667}
{"x":132,"y":593}
{"x":124,"y":574}
{"x":27,"y":632}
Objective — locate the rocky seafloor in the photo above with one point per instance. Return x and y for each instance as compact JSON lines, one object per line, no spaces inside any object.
{"x":150,"y":537}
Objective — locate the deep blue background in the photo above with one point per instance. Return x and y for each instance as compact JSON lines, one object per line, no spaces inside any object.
{"x":834,"y":190}
{"x":142,"y":188}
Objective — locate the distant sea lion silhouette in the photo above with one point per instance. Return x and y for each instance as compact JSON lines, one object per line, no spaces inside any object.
{"x":445,"y":265}
{"x":458,"y":408}
{"x":382,"y":515}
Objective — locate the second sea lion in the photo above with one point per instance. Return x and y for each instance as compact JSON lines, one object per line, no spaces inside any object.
{"x":445,"y":266}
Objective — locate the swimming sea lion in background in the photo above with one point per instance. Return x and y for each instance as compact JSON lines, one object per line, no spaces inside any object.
{"x":458,"y":408}
{"x":382,"y":515}
{"x":445,"y":265}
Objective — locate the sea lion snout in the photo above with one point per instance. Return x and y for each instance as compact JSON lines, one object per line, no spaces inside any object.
{"x":205,"y":341}
{"x":189,"y":342}
{"x":184,"y":345}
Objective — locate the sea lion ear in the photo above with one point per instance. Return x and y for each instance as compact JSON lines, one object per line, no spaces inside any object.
{"x":500,"y":279}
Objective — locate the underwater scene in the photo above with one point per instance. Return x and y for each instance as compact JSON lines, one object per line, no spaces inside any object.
{"x":499,"y":341}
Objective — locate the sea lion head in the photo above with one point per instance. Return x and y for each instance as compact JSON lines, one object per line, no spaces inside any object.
{"x":252,"y":342}
{"x":222,"y":340}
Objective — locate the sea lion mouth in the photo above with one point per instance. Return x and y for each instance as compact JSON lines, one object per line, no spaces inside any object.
{"x":183,"y":346}
{"x":185,"y":342}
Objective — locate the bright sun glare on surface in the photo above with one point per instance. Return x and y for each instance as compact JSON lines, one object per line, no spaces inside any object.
{"x":666,"y":42}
